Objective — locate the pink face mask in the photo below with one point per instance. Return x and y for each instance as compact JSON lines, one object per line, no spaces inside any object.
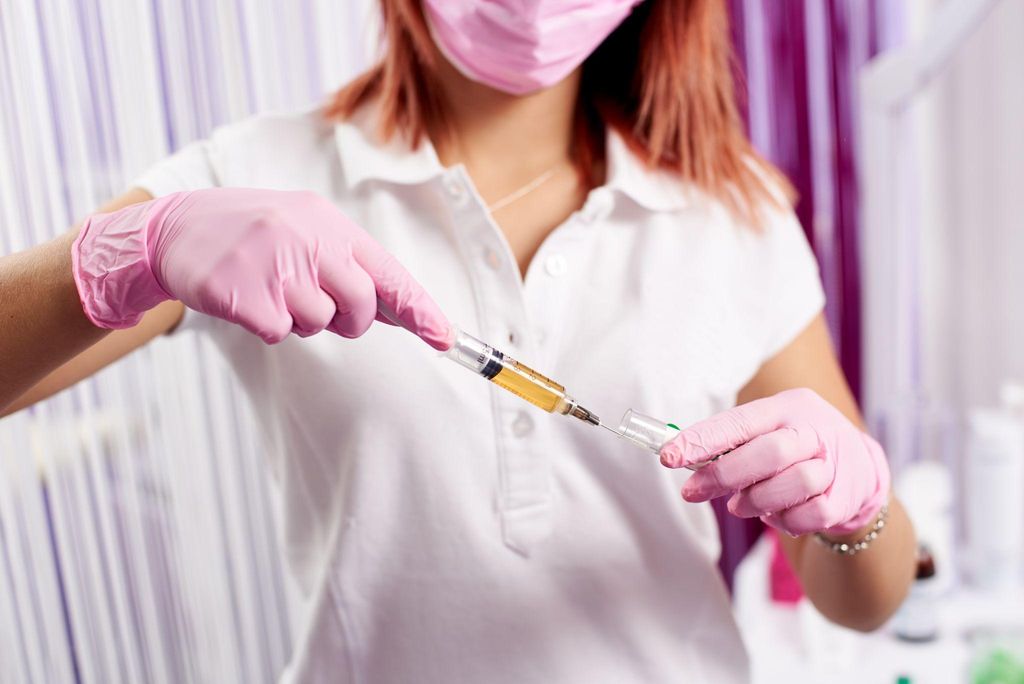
{"x":520,"y":46}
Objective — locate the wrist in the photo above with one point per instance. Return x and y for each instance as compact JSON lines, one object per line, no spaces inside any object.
{"x":855,"y":544}
{"x":842,"y":537}
{"x":110,"y":264}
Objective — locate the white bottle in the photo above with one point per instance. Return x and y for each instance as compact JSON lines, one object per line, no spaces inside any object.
{"x":993,"y":503}
{"x":1011,"y":398}
{"x":917,"y":619}
{"x":926,"y":490}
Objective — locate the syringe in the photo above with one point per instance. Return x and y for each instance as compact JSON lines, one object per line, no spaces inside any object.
{"x":641,"y":430}
{"x":517,"y":378}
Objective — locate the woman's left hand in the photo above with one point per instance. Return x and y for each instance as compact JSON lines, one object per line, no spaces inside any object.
{"x":794,"y":461}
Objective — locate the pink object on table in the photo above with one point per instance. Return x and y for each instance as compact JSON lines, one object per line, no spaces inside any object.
{"x":271,"y":261}
{"x":793,"y":460}
{"x":783,"y":582}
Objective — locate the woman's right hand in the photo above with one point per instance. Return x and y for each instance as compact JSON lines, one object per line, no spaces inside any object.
{"x":271,"y":261}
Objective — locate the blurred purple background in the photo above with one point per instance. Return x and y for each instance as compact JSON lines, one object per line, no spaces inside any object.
{"x":798,"y":64}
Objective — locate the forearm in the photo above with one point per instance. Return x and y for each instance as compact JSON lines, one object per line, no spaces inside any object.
{"x":860,"y":591}
{"x":43,"y":324}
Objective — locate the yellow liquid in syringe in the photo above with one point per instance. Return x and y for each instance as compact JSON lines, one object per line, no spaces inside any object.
{"x":528,"y":384}
{"x":520,"y":380}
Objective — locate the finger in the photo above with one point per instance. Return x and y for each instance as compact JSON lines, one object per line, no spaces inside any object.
{"x":814,"y":515}
{"x":382,"y":318}
{"x":723,"y":431}
{"x":759,"y":459}
{"x":270,"y":323}
{"x":793,"y":486}
{"x":353,"y":293}
{"x":402,"y":298}
{"x":311,"y":308}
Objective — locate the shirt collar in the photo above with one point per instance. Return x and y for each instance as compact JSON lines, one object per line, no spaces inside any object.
{"x":365,"y":157}
{"x":652,"y":188}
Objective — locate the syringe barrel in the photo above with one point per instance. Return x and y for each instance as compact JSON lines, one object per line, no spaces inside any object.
{"x":515,"y":377}
{"x":474,"y":354}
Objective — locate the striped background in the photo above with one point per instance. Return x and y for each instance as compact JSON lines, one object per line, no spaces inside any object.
{"x":136,"y":539}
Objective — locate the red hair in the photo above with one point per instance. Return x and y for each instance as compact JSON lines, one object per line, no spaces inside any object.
{"x":663,"y":79}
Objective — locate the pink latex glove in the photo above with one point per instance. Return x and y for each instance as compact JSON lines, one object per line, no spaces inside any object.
{"x":796,"y":462}
{"x":271,"y":261}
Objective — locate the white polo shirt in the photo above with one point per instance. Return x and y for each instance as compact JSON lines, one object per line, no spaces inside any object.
{"x":443,"y":530}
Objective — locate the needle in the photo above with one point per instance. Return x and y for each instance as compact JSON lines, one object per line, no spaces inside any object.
{"x":624,"y":436}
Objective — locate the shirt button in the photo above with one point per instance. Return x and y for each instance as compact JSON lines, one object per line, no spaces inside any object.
{"x":556,"y":265}
{"x":456,"y":189}
{"x":522,"y":425}
{"x":492,"y":259}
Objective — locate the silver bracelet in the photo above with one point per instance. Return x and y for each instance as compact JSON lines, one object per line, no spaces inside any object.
{"x":850,"y":549}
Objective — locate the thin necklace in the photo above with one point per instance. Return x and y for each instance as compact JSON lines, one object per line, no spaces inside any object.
{"x":523,"y":191}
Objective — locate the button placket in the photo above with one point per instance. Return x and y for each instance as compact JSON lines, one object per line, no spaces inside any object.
{"x":455,"y":187}
{"x":597,"y":207}
{"x":491,"y":257}
{"x":546,"y":289}
{"x":522,"y":425}
{"x":528,"y":512}
{"x":556,"y":265}
{"x":524,"y":497}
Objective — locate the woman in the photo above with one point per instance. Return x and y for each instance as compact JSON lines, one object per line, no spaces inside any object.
{"x":569,"y":181}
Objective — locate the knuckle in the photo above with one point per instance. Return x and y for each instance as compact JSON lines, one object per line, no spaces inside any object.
{"x":325,"y":320}
{"x":268,"y":220}
{"x":718,"y":478}
{"x":811,"y":397}
{"x":777,"y":449}
{"x":739,"y":417}
{"x":209,"y":290}
{"x":351,"y":323}
{"x":819,"y":508}
{"x":798,"y":528}
{"x":735,"y":504}
{"x":272,"y":338}
{"x":730,"y":428}
{"x":386,"y":267}
{"x":772,"y":450}
{"x":277,"y":332}
{"x":310,"y":327}
{"x":789,"y":522}
{"x":802,"y":394}
{"x":362,"y":326}
{"x":316,"y":202}
{"x":807,"y":481}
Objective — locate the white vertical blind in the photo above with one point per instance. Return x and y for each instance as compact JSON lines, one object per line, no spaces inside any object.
{"x":137,"y":541}
{"x":972,"y":233}
{"x":943,"y":157}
